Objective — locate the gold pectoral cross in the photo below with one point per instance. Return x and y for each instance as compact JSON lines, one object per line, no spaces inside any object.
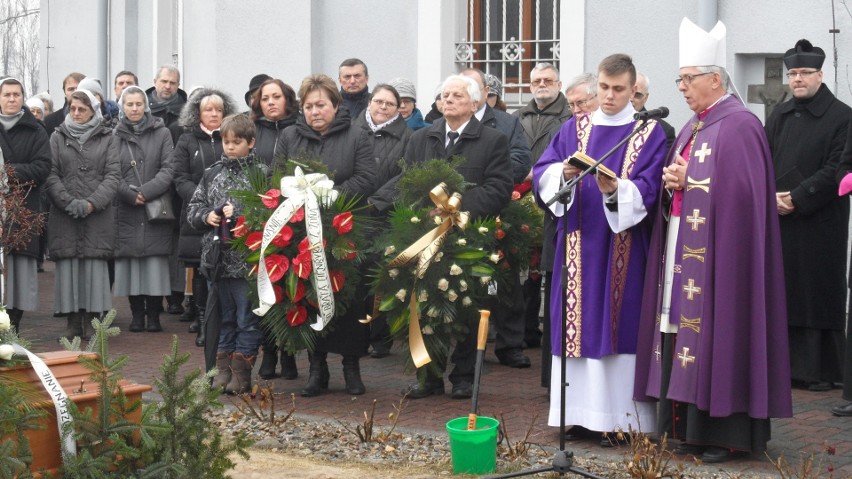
{"x":685,"y":358}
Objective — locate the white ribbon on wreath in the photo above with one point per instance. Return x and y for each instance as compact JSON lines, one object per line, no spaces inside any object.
{"x":308,"y":190}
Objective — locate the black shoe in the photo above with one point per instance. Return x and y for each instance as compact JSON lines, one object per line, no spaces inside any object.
{"x":153,"y":325}
{"x":612,"y":439}
{"x":416,"y":391}
{"x":842,"y":411}
{"x":317,"y":376}
{"x":137,"y":323}
{"x":532,"y":343}
{"x":575,"y":433}
{"x":268,"y":364}
{"x":686,"y":449}
{"x":462,"y":390}
{"x":820,"y":386}
{"x":288,"y":366}
{"x":352,"y":376}
{"x":175,"y":308}
{"x":716,"y":455}
{"x":513,"y":358}
{"x":379,"y":352}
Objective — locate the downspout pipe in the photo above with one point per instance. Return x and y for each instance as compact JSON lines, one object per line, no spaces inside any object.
{"x":708,"y":14}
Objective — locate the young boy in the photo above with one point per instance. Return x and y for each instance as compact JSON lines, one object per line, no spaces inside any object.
{"x":212,"y":208}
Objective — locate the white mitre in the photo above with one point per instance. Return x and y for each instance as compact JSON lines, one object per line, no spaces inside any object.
{"x":699,"y":48}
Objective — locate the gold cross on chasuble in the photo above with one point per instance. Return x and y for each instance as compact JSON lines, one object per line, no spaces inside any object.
{"x":691,"y":290}
{"x":685,"y":358}
{"x":702,"y":153}
{"x":695,"y":221}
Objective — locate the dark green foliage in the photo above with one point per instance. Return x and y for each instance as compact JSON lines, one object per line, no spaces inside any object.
{"x":418,"y":180}
{"x":16,"y":417}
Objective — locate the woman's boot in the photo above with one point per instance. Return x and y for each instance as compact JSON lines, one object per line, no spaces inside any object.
{"x":269,"y":361}
{"x":317,"y":376}
{"x":153,"y":305}
{"x":74,"y":326}
{"x":190,"y":314}
{"x":241,"y":378}
{"x":223,"y":365}
{"x":288,"y":366}
{"x":86,"y":325}
{"x":137,"y":311}
{"x":352,"y":375}
{"x":199,"y":292}
{"x":15,"y":316}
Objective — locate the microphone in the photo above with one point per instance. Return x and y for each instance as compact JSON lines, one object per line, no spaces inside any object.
{"x":660,"y":112}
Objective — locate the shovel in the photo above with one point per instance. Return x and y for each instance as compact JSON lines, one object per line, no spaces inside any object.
{"x":481,"y":339}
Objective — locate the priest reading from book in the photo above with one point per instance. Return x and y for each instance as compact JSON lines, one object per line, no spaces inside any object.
{"x":713,"y":337}
{"x":603,"y":241}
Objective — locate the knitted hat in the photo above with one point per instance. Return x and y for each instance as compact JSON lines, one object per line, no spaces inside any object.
{"x":699,"y":48}
{"x":93,"y":85}
{"x":254,"y":84}
{"x":404,"y":87}
{"x":804,"y":55}
{"x":495,"y":86}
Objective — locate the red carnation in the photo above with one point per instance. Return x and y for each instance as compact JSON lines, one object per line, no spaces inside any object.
{"x":337,"y":278}
{"x":297,"y":315}
{"x":276,"y":266}
{"x":282,"y":239}
{"x":300,"y":291}
{"x":302,"y":264}
{"x":500,"y":234}
{"x":240,"y":229}
{"x":270,"y":199}
{"x":343,"y":223}
{"x":254,"y":240}
{"x":299,"y":215}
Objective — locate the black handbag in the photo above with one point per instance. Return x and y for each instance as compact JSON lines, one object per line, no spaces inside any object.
{"x":160,"y":209}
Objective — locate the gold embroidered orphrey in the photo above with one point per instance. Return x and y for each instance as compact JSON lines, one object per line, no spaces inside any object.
{"x":620,"y":250}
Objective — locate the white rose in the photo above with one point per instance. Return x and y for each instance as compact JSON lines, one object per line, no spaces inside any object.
{"x":485,"y":279}
{"x":452,"y":296}
{"x":393,"y":273}
{"x":462,"y":286}
{"x":461,"y":242}
{"x":424,"y":296}
{"x":5,"y":322}
{"x":466,"y":301}
{"x":495,"y":258}
{"x":483,"y":230}
{"x":443,"y":284}
{"x":438,"y":220}
{"x":390,"y":250}
{"x":400,"y":295}
{"x":455,"y":270}
{"x":415,"y":219}
{"x":427,"y":330}
{"x":6,"y":351}
{"x":448,"y":319}
{"x":438,"y":256}
{"x":432,"y":312}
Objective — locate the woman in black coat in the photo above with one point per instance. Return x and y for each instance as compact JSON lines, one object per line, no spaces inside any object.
{"x":324,"y":132}
{"x":26,"y":149}
{"x":196,"y":150}
{"x":142,"y":247}
{"x":83,"y":180}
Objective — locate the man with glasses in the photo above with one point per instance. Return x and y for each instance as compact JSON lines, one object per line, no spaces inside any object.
{"x":353,"y":78}
{"x":541,"y":118}
{"x":713,"y":337}
{"x":603,"y":242}
{"x":806,"y":137}
{"x":582,"y":94}
{"x":640,"y":98}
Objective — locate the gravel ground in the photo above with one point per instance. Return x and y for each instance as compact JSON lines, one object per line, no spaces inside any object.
{"x":305,"y":447}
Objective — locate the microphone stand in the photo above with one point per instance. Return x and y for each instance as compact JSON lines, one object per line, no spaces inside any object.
{"x":563,"y":461}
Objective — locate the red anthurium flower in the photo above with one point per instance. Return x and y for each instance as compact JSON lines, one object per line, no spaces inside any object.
{"x":353,"y":252}
{"x":300,"y":291}
{"x":500,"y":234}
{"x":343,"y":222}
{"x":279,"y":293}
{"x":304,"y":245}
{"x":297,"y":315}
{"x":276,"y":266}
{"x":299,"y":215}
{"x":302,"y":264}
{"x":254,"y":240}
{"x":282,"y":239}
{"x":240,"y":229}
{"x":337,"y":278}
{"x":270,"y":199}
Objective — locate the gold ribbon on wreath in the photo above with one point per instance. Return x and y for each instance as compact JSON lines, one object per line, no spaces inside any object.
{"x":424,"y":250}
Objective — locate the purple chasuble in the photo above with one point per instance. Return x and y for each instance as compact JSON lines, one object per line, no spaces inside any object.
{"x":605,"y":269}
{"x":728,"y":301}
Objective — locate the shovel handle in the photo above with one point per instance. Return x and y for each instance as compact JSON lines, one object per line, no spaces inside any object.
{"x":482,"y":337}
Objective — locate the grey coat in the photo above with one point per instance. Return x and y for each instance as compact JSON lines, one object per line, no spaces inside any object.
{"x":90,"y":172}
{"x":151,"y":150}
{"x":346,"y":150}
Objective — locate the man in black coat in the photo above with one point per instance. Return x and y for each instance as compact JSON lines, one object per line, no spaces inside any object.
{"x":487,"y":166}
{"x":353,"y":78}
{"x":807,"y":135}
{"x":167,"y":99}
{"x":69,"y":86}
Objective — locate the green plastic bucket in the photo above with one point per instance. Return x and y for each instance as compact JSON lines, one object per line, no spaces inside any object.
{"x":474,"y":451}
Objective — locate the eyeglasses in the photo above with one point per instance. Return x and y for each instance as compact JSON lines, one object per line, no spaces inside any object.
{"x":384,"y":104}
{"x":580,"y":104}
{"x":803,"y":75}
{"x":687,"y":79}
{"x":639,"y":95}
{"x":406,"y":101}
{"x":542,"y":82}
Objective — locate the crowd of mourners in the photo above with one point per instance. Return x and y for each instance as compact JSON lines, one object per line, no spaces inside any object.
{"x":690,"y":306}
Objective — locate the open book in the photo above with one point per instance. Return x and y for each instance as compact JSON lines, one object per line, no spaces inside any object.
{"x":584,"y":162}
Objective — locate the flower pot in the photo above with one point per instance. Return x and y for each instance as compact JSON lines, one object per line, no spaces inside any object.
{"x":74,"y":379}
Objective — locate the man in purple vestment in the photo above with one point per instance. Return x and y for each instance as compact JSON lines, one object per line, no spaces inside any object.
{"x":603,"y":241}
{"x":713,"y":336}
